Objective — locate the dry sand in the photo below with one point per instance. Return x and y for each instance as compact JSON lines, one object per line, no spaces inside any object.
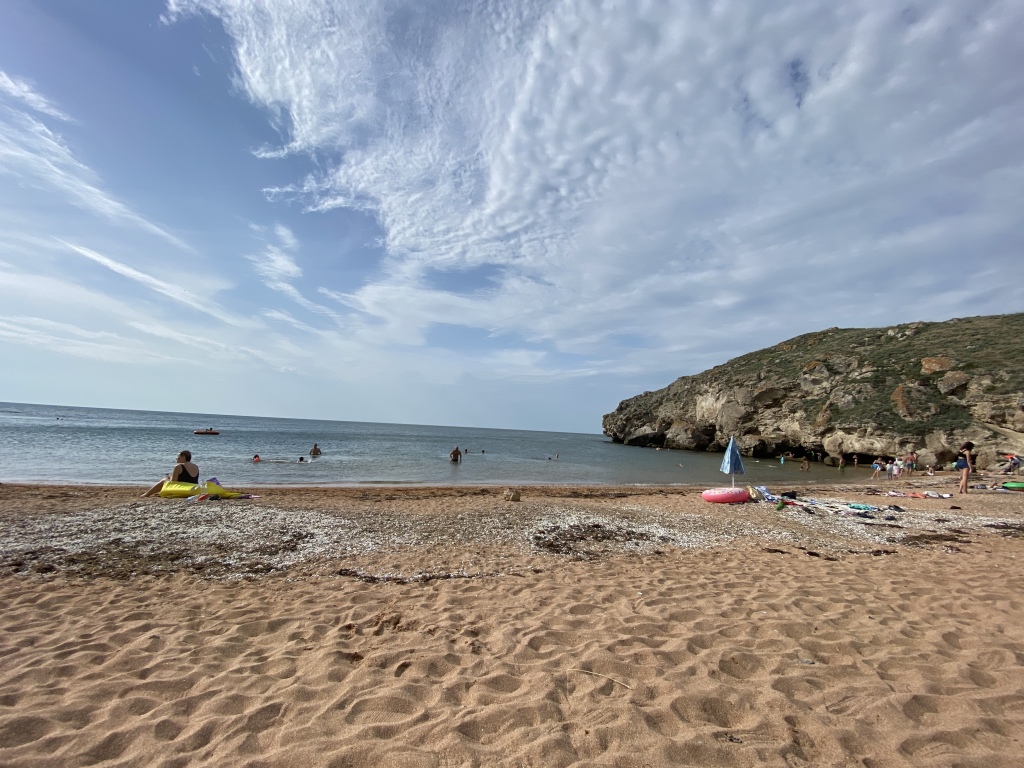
{"x":448,"y":627}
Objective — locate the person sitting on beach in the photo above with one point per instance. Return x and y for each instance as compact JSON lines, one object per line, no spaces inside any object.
{"x":455,"y":455}
{"x":1013,"y":465}
{"x":315,"y":450}
{"x":184,"y":472}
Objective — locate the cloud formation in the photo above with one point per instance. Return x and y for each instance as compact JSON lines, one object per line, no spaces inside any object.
{"x":35,"y":155}
{"x":556,"y":204}
{"x":24,"y":92}
{"x":590,"y":177}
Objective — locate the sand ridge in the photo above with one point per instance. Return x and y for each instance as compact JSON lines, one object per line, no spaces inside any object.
{"x":769,"y":641}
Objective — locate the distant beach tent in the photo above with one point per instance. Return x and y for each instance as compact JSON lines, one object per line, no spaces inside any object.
{"x":732,"y":463}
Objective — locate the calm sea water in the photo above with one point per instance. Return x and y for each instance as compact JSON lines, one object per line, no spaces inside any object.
{"x":57,"y":444}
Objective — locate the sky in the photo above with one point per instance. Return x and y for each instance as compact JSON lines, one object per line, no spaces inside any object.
{"x":493,"y":213}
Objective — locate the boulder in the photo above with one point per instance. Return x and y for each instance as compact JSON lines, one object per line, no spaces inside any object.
{"x":931,"y":365}
{"x":953,"y":383}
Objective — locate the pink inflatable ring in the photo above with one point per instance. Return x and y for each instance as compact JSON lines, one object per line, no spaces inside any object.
{"x":726,"y":495}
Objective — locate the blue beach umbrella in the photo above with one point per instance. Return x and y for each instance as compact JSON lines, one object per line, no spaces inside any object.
{"x":732,"y":463}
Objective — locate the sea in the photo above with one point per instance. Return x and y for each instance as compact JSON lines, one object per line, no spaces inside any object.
{"x":42,"y":444}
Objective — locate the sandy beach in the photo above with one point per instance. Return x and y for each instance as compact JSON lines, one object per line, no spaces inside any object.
{"x":580,"y":626}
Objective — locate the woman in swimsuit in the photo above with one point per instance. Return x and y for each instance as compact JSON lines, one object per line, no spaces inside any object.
{"x":184,"y":472}
{"x":965,"y":464}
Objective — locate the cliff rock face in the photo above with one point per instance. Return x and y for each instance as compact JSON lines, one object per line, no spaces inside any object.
{"x":868,"y":392}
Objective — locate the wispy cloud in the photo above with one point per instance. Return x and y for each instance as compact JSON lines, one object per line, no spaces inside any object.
{"x":648,"y":168}
{"x":65,"y":339}
{"x":277,"y":267}
{"x":35,"y":155}
{"x":24,"y":92}
{"x":176,"y":291}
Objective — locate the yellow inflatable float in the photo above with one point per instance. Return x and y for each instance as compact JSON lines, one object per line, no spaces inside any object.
{"x":175,"y":490}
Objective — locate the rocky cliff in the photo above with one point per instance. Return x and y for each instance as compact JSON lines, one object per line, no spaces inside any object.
{"x":854,"y":391}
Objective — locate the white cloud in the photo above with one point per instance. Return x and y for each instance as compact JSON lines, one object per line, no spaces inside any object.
{"x":278,"y":268}
{"x":24,"y":92}
{"x":178,"y":291}
{"x":653,"y":170}
{"x":65,"y":339}
{"x":34,"y":155}
{"x":275,"y":265}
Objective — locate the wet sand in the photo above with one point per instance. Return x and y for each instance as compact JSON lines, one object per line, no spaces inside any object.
{"x":585,"y":626}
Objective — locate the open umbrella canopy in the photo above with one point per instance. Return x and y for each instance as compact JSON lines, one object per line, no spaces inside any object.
{"x":732,"y":463}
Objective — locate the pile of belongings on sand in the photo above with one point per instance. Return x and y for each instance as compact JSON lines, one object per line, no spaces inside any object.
{"x":837,"y":506}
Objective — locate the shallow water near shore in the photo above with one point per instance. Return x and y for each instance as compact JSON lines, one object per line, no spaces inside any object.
{"x":60,"y":444}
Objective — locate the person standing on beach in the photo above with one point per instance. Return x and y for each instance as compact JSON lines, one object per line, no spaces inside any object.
{"x":910,"y":463}
{"x":184,"y":472}
{"x":842,"y":462}
{"x":965,"y":463}
{"x":455,"y":455}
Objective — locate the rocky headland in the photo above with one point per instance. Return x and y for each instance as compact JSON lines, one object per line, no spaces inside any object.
{"x":862,"y":392}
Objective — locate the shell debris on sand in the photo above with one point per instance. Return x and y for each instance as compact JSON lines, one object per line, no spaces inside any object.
{"x":370,"y":533}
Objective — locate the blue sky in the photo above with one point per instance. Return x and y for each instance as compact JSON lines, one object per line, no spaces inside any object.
{"x":503,"y":214}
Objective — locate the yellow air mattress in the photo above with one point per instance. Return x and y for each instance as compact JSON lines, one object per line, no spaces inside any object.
{"x":175,"y":490}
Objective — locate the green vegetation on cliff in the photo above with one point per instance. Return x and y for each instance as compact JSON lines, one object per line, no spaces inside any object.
{"x":991,"y":346}
{"x":847,"y":389}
